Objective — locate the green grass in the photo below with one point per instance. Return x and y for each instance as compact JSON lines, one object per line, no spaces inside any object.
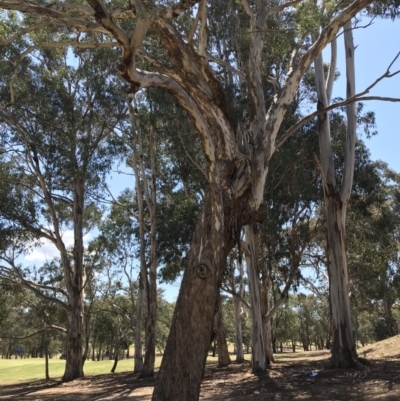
{"x":26,"y":370}
{"x":14,"y":371}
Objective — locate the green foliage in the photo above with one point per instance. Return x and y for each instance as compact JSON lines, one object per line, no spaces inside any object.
{"x":165,"y":311}
{"x":385,"y":327}
{"x":308,"y":18}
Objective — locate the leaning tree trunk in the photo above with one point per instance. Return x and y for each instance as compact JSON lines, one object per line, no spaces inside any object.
{"x":343,"y":349}
{"x":192,"y":324}
{"x":116,"y":358}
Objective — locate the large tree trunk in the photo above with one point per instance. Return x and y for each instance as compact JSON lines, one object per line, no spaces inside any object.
{"x":343,"y":348}
{"x":74,"y":365}
{"x":259,"y":362}
{"x":75,"y":278}
{"x":192,"y":324}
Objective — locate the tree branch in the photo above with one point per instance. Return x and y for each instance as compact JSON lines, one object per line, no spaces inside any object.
{"x":203,"y":31}
{"x":177,"y":9}
{"x":45,"y":11}
{"x":191,"y":159}
{"x":247,"y":8}
{"x":104,"y":18}
{"x":282,"y":6}
{"x":236,"y":295}
{"x":356,"y":98}
{"x":30,"y":286}
{"x":50,"y":327}
{"x":332,"y":70}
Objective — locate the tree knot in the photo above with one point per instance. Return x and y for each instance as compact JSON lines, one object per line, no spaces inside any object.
{"x":203,"y":271}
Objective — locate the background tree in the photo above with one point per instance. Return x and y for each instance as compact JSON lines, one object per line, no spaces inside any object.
{"x":60,"y":149}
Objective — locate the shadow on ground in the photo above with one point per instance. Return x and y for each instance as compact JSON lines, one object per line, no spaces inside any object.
{"x":285,"y":381}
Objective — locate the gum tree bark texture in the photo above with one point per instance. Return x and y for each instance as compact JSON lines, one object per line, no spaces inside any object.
{"x":344,"y":354}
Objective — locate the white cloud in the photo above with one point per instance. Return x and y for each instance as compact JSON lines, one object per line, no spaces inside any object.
{"x":47,"y":250}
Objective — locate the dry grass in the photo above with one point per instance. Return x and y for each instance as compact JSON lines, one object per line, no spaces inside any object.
{"x":389,"y":348}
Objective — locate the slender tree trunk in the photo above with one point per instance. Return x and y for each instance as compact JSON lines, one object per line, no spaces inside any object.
{"x":267,"y":330}
{"x":46,"y":358}
{"x":343,"y":348}
{"x":87,"y":336}
{"x":116,"y":357}
{"x":265,"y":309}
{"x":150,"y":327}
{"x":138,"y":355}
{"x":223,"y":353}
{"x":258,"y":353}
{"x":237,"y":305}
{"x":100,"y":350}
{"x":8,"y":355}
{"x":151,"y":282}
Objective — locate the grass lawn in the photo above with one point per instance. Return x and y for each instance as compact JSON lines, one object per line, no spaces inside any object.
{"x":28,"y":370}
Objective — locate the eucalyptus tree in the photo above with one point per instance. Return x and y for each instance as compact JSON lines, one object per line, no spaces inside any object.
{"x":336,"y":200}
{"x":292,"y":195}
{"x":119,"y":245}
{"x":58,"y":150}
{"x":145,"y":183}
{"x":373,"y":238}
{"x":165,"y":45}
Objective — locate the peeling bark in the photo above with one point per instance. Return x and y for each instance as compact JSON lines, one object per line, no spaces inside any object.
{"x":344,"y":354}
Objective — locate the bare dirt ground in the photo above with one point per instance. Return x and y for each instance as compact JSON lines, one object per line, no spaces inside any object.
{"x":378,"y":380}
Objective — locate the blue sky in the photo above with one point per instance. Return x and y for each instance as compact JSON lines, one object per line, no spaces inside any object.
{"x":376,"y":46}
